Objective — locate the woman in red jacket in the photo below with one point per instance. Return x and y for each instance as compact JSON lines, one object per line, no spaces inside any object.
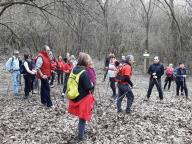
{"x":82,"y":105}
{"x":53,"y":68}
{"x":60,"y":67}
{"x":67,"y":70}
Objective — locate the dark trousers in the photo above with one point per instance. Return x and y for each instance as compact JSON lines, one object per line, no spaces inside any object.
{"x":45,"y":93}
{"x":112,"y":85}
{"x":156,"y":82}
{"x":36,"y":83}
{"x":183,"y":86}
{"x":168,"y":81}
{"x":81,"y":128}
{"x":32,"y":81}
{"x":60,"y":76}
{"x":52,"y":78}
{"x":65,"y":83}
{"x":28,"y":84}
{"x":124,"y":90}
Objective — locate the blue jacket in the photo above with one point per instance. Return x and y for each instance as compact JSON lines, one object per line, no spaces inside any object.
{"x":12,"y":64}
{"x":179,"y":74}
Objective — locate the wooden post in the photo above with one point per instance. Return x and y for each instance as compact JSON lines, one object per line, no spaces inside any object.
{"x":146,"y":56}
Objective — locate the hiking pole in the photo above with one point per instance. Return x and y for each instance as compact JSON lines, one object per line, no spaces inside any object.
{"x":60,"y":90}
{"x":107,"y":88}
{"x":112,"y":102}
{"x":118,"y":98}
{"x":121,"y":96}
{"x":8,"y":87}
{"x":55,"y":98}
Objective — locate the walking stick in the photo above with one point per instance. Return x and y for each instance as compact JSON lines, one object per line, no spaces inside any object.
{"x":115,"y":102}
{"x":55,"y":98}
{"x":8,"y":87}
{"x":107,"y":88}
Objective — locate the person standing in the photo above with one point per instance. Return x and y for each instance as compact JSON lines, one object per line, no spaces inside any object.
{"x":91,"y":72}
{"x":82,"y":105}
{"x":43,"y":68}
{"x":12,"y":65}
{"x":28,"y":74}
{"x":20,"y":64}
{"x":67,"y":70}
{"x":53,"y":68}
{"x":125,"y":84}
{"x":60,"y":66}
{"x":169,"y":76}
{"x":180,"y":74}
{"x":107,"y":61}
{"x":156,"y":70}
{"x":111,"y":74}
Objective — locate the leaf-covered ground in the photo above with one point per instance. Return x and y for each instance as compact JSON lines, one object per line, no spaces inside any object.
{"x":153,"y":122}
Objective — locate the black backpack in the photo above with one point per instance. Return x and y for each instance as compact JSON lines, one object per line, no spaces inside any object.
{"x":22,"y":68}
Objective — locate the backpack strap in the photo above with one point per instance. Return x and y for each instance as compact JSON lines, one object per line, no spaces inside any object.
{"x":12,"y":61}
{"x":78,"y":75}
{"x":80,"y":72}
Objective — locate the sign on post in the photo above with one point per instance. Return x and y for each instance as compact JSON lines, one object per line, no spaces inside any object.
{"x":146,"y":56}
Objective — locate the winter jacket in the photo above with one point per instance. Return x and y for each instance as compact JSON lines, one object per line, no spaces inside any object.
{"x":179,"y":74}
{"x":156,"y":68}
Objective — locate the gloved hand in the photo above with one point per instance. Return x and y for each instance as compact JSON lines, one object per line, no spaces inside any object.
{"x":155,"y":77}
{"x":134,"y":86}
{"x":154,"y":74}
{"x":44,"y":76}
{"x":34,"y":71}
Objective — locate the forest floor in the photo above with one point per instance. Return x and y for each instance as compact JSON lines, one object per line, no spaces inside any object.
{"x":153,"y":122}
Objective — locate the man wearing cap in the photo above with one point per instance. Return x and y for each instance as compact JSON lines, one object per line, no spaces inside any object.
{"x":12,"y":65}
{"x":43,"y":67}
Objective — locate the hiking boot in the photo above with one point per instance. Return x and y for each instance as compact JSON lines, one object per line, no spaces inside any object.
{"x":161,"y":101}
{"x":114,"y":96}
{"x":79,"y":139}
{"x":146,"y":99}
{"x":51,"y":86}
{"x":119,"y":111}
{"x":25,"y":97}
{"x":51,"y":107}
{"x":17,"y":94}
{"x":34,"y":92}
{"x":187,"y":98}
{"x":43,"y":104}
{"x":63,"y":95}
{"x":128,"y":111}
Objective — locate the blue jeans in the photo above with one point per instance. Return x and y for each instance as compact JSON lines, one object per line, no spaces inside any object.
{"x":15,"y":75}
{"x":124,"y":88}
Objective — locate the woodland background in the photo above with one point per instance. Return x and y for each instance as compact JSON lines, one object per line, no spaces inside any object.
{"x":161,"y":27}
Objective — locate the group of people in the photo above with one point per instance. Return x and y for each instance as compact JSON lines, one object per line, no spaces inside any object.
{"x":79,"y":79}
{"x":120,"y":72}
